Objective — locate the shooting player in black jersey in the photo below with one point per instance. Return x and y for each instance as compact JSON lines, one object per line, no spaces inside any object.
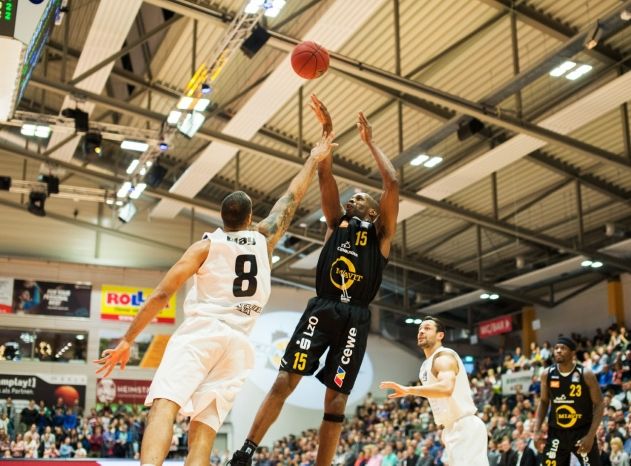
{"x":349,"y":272}
{"x":576,"y":411}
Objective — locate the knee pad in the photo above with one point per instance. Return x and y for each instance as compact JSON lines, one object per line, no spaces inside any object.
{"x":330,"y":417}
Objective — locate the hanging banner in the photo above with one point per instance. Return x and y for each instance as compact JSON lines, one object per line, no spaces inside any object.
{"x":516,"y":382}
{"x":47,"y":387}
{"x":489,"y":328}
{"x":51,"y":298}
{"x":122,"y":391}
{"x":6,"y":295}
{"x":123,"y":303}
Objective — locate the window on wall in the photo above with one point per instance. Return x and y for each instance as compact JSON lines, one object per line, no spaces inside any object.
{"x":42,"y":345}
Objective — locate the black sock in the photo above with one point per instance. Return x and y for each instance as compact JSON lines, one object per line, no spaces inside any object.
{"x":249,"y":447}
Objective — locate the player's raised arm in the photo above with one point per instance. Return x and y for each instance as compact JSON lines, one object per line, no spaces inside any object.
{"x":181,"y":271}
{"x":277,"y":222}
{"x":389,"y":203}
{"x":329,"y":192}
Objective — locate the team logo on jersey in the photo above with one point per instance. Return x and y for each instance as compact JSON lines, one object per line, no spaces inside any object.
{"x":566,"y":416}
{"x":248,"y":309}
{"x":248,"y":240}
{"x":346,"y":248}
{"x":342,"y":275}
{"x":339,"y":377}
{"x":555,"y":384}
{"x":424,"y":377}
{"x":576,"y":377}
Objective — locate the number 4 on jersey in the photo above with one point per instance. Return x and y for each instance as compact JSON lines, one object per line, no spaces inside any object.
{"x":243,"y":276}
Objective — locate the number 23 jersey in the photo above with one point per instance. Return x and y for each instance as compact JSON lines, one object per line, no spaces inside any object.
{"x":234,"y":283}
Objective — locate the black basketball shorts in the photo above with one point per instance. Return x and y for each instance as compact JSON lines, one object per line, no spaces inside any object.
{"x":340,"y":327}
{"x":562,"y":442}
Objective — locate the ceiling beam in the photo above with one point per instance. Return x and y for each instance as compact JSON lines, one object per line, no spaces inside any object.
{"x":357,"y":179}
{"x":551,"y":26}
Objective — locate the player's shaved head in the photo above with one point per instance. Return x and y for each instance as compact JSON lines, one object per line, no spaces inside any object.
{"x":236,"y":209}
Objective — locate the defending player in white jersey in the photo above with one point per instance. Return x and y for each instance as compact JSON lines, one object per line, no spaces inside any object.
{"x":446,"y":386}
{"x":209,"y":356}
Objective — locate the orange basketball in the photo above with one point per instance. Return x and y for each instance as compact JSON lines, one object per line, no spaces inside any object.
{"x":309,"y":60}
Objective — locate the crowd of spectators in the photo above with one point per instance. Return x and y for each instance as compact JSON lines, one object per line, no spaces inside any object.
{"x":381,"y":433}
{"x":59,"y":431}
{"x":403,"y":433}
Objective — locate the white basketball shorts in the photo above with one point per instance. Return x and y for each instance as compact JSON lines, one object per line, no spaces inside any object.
{"x":466,"y":442}
{"x":203,"y":368}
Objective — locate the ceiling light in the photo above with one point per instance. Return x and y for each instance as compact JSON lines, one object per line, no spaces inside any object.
{"x":625,"y":15}
{"x":174,"y":117}
{"x":132,"y":166}
{"x":562,"y":68}
{"x":275,"y":259}
{"x":28,"y":129}
{"x":163,"y":146}
{"x":120,"y":203}
{"x":323,"y":219}
{"x":80,"y":337}
{"x":92,"y":142}
{"x":184,"y":103}
{"x":586,"y":263}
{"x":137,"y":191}
{"x":143,"y":171}
{"x":418,"y":321}
{"x":433,"y":162}
{"x":124,"y":190}
{"x":42,"y":131}
{"x":253,"y":6}
{"x":485,"y":296}
{"x":494,"y":296}
{"x":201,"y":105}
{"x":192,"y":122}
{"x":303,"y":225}
{"x":109,"y":201}
{"x":409,"y":320}
{"x":578,"y":72}
{"x":597,"y":264}
{"x":419,"y":160}
{"x":137,"y":146}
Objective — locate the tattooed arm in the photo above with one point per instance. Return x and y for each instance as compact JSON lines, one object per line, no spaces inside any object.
{"x":277,"y":222}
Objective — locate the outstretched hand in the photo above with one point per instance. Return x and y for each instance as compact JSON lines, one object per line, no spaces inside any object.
{"x":324,"y":148}
{"x":399,"y":390}
{"x":111,"y":357}
{"x":365,"y":130}
{"x":322,"y":114}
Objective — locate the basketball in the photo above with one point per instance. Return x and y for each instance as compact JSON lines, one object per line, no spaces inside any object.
{"x":309,"y":60}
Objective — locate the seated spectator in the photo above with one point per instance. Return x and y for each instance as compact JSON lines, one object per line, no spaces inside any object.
{"x":80,"y":451}
{"x":18,"y":447}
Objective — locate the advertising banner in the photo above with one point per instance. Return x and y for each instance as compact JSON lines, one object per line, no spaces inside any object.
{"x":6,"y":295}
{"x":492,"y":327}
{"x":123,"y":303}
{"x":515,"y":381}
{"x":47,"y":387}
{"x":122,"y":391}
{"x":51,"y":298}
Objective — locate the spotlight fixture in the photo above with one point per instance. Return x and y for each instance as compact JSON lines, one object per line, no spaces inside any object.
{"x":36,"y":201}
{"x":409,"y":320}
{"x":163,"y":146}
{"x":469,"y":127}
{"x":52,"y":183}
{"x":5,"y":183}
{"x":275,"y":259}
{"x":255,"y":42}
{"x":625,"y":15}
{"x":92,"y":142}
{"x":593,"y":36}
{"x":592,"y":264}
{"x":206,"y":89}
{"x":81,"y":119}
{"x":127,"y":212}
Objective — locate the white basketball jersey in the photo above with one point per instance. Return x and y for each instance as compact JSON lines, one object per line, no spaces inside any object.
{"x":448,"y":410}
{"x":234,"y":283}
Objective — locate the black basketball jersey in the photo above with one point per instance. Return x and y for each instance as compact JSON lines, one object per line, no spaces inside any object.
{"x":350,"y":266}
{"x":571,"y":403}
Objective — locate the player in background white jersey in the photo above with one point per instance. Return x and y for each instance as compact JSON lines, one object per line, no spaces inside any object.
{"x":446,"y":386}
{"x":209,"y":356}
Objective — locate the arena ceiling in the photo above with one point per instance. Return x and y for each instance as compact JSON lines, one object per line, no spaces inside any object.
{"x":512,"y":210}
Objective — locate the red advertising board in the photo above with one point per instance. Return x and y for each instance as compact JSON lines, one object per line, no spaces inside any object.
{"x":492,"y":327}
{"x":122,"y":391}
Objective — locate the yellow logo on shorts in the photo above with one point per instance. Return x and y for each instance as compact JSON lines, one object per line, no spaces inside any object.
{"x":566,"y":416}
{"x":342,"y":273}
